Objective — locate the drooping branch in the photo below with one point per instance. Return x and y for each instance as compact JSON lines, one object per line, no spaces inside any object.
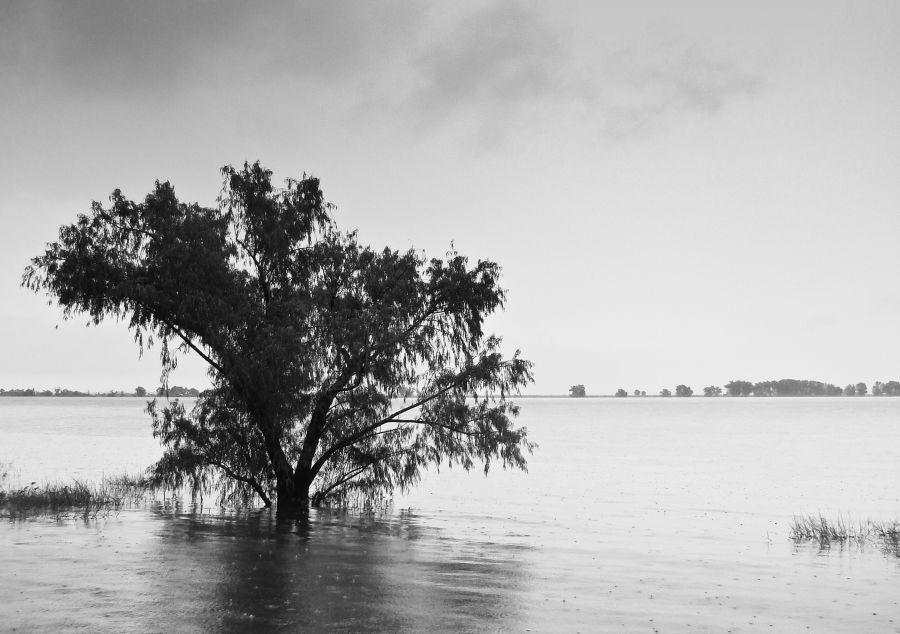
{"x":344,"y":478}
{"x":362,"y":433}
{"x":261,"y":275}
{"x":245,"y":479}
{"x":460,"y":429}
{"x":189,"y":342}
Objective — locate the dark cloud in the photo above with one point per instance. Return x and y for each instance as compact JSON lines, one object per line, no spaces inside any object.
{"x":115,"y":47}
{"x":495,"y":70}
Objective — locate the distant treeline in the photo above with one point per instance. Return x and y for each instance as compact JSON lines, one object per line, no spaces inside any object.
{"x":172,"y":392}
{"x":795,"y":387}
{"x":783,"y":387}
{"x":33,"y":392}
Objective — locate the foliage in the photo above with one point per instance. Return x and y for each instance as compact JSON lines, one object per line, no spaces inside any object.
{"x":683,"y":390}
{"x":621,"y":393}
{"x":577,"y":391}
{"x":665,"y":392}
{"x":308,"y":334}
{"x":712,"y":390}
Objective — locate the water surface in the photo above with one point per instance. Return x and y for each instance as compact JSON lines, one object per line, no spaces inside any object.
{"x":636,"y":515}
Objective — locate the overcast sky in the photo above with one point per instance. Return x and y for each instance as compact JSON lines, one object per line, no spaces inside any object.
{"x":682,"y":192}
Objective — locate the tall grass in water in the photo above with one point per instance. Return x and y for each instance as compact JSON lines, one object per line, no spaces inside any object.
{"x":827,"y":531}
{"x":74,"y":499}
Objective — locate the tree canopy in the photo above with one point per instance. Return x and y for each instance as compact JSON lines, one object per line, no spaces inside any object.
{"x":309,"y":336}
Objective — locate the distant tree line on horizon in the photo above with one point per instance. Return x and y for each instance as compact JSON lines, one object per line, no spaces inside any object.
{"x":172,"y":392}
{"x":782,"y":387}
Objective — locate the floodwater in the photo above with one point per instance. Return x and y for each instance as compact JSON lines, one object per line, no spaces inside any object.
{"x":637,"y":515}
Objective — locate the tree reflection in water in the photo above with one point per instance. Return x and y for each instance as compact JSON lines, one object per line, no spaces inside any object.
{"x":170,"y":570}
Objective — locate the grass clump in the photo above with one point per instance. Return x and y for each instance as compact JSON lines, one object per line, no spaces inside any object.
{"x":841,"y":530}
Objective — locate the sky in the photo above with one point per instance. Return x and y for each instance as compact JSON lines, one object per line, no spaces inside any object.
{"x":686,"y":192}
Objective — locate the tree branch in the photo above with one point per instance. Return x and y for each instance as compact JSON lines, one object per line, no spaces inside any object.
{"x":191,"y":344}
{"x":349,"y":475}
{"x":431,"y":423}
{"x":344,"y":478}
{"x":246,"y":479}
{"x":260,"y":273}
{"x":355,"y":438}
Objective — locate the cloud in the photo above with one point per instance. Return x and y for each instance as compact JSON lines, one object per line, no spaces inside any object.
{"x":506,"y":66}
{"x":501,"y":59}
{"x":489,"y":71}
{"x":653,"y":84}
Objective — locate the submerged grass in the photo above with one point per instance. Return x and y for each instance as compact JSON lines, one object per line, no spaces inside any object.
{"x":73,"y":499}
{"x":841,"y":530}
{"x":79,"y":499}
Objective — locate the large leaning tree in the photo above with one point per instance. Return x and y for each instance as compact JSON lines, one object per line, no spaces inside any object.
{"x":337,"y":370}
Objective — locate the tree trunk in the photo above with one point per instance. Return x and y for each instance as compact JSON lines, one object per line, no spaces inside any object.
{"x":292,"y":493}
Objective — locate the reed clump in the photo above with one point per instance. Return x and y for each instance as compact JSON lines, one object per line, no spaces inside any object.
{"x":841,"y":530}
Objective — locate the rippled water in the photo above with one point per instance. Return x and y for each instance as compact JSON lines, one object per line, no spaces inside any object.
{"x":648,"y":515}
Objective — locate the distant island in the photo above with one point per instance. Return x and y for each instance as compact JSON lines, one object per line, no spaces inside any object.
{"x":172,"y":392}
{"x":782,"y":387}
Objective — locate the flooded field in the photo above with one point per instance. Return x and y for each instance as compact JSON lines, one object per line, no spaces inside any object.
{"x":653,"y":515}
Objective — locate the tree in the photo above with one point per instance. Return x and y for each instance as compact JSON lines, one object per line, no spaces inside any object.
{"x":577,"y":391}
{"x":637,"y":392}
{"x":878,"y":388}
{"x":308,"y":335}
{"x":764,"y":388}
{"x":861,"y":389}
{"x":665,"y":392}
{"x":891,"y":388}
{"x":139,"y":391}
{"x":683,"y":390}
{"x":850,"y":390}
{"x":739,"y":388}
{"x":620,"y":393}
{"x":712,"y":390}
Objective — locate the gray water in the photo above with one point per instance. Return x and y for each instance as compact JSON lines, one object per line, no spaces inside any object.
{"x":663,"y":515}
